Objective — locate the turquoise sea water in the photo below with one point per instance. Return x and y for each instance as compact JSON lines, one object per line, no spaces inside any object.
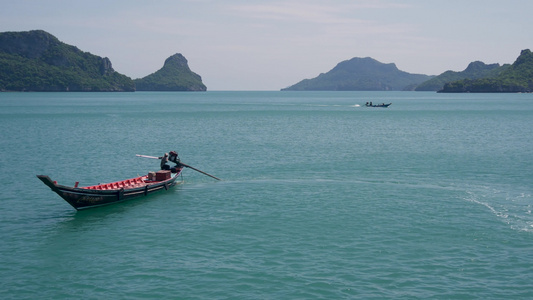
{"x":321,"y":197}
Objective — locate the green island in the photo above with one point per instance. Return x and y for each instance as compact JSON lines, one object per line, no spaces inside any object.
{"x":367,"y":74}
{"x":36,"y":61}
{"x":474,"y":70}
{"x":175,"y":75}
{"x":361,"y":74}
{"x":516,"y":78}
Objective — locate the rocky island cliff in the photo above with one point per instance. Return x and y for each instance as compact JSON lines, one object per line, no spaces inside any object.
{"x":37,"y":61}
{"x":175,"y":75}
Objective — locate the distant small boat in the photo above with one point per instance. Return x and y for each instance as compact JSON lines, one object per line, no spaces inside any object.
{"x":369,"y":104}
{"x":109,"y":193}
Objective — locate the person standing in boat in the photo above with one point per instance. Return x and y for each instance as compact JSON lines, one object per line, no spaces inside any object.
{"x":164,"y":160}
{"x":172,"y":156}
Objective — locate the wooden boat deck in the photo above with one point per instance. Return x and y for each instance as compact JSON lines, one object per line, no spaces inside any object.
{"x":125,"y":184}
{"x":108,"y":193}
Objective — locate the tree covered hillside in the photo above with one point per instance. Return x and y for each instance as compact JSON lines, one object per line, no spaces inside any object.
{"x":361,"y":74}
{"x":474,"y":70}
{"x":517,"y":78}
{"x":175,"y":75}
{"x":38,"y":61}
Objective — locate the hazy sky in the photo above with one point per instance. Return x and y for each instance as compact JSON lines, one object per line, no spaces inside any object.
{"x":269,"y":45}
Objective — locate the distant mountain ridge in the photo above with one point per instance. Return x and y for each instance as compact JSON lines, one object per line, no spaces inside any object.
{"x":38,"y":61}
{"x":361,"y":74}
{"x":175,"y":75}
{"x":516,"y":78}
{"x":474,"y":70}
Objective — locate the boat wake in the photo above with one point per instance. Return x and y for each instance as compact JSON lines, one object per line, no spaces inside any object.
{"x":513,"y":208}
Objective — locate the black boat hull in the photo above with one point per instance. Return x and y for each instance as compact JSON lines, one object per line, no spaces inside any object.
{"x":82,"y":198}
{"x":378,"y":105}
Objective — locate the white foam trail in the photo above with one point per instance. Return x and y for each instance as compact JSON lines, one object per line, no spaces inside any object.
{"x":516,"y":215}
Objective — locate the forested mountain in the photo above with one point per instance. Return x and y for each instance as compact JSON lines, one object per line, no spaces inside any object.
{"x":38,"y":61}
{"x":516,"y":78}
{"x":474,"y":70}
{"x":175,"y":75}
{"x":361,"y":74}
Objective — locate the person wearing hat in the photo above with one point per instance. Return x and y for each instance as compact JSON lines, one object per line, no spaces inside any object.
{"x":174,"y":158}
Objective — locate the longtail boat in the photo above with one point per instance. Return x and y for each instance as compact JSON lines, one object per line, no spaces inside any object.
{"x":108,"y":193}
{"x":385,"y":105}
